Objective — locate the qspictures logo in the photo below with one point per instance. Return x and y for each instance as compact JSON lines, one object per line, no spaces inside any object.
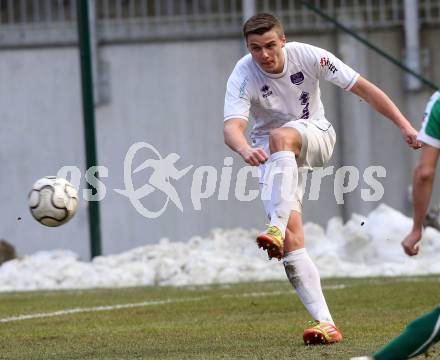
{"x":162,"y":173}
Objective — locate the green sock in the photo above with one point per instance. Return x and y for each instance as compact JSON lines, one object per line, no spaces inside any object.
{"x":418,"y":336}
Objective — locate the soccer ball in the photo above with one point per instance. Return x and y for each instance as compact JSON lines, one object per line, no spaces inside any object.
{"x":53,"y":201}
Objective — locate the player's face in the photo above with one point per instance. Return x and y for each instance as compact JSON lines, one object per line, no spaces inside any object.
{"x":267,"y":50}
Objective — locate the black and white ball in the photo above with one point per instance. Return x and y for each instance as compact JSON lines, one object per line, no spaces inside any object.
{"x":53,"y":201}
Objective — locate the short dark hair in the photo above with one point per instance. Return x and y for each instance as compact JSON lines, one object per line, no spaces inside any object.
{"x":262,"y":23}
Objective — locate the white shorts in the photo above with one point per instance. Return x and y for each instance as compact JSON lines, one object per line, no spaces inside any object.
{"x":318,"y":141}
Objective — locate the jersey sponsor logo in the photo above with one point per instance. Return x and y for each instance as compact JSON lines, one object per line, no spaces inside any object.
{"x":297,"y":78}
{"x":325,"y":62}
{"x":266,"y":91}
{"x":304,"y":98}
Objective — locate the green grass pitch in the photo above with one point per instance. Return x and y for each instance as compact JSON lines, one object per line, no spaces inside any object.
{"x":244,"y":321}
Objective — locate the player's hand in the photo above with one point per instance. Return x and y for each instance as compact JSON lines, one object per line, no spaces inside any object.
{"x":410,"y":136}
{"x":254,"y":156}
{"x":410,"y":243}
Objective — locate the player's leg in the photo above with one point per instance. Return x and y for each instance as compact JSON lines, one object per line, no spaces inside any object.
{"x":418,"y":336}
{"x":302,"y":272}
{"x":303,"y":143}
{"x":280,"y":183}
{"x":415,"y":340}
{"x":304,"y":277}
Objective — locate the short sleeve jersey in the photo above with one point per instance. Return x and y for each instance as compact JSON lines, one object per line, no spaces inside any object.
{"x":275,"y":99}
{"x":430,"y":132}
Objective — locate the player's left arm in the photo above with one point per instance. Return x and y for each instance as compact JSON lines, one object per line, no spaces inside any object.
{"x":384,"y":105}
{"x":423,"y":180}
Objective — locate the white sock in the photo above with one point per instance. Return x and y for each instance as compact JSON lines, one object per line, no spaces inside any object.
{"x":282,"y":180}
{"x":304,"y":277}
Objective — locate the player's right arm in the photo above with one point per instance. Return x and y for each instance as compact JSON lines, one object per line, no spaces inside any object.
{"x":236,"y":116}
{"x":234,"y":135}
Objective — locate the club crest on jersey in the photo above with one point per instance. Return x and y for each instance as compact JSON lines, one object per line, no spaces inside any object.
{"x":297,"y":78}
{"x":325,"y":62}
{"x":266,"y":91}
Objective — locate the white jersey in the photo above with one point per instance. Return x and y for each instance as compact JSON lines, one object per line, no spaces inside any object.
{"x":275,"y":99}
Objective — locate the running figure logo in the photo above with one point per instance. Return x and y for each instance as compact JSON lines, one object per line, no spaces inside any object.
{"x":163,"y":169}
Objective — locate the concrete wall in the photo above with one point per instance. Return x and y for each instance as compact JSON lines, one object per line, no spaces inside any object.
{"x":170,"y":95}
{"x":41,"y":130}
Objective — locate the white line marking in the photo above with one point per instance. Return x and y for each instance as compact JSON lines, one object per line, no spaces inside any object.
{"x":98,"y":308}
{"x":149,"y":303}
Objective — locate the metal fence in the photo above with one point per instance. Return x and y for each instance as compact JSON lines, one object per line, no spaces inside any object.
{"x":38,"y":22}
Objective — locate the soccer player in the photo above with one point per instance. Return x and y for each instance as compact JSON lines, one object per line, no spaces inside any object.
{"x":420,"y":334}
{"x":278,"y":84}
{"x":423,"y":177}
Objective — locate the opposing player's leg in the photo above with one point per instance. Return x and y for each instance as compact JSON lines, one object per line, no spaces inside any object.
{"x":304,"y":277}
{"x":415,"y":340}
{"x":280,"y":183}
